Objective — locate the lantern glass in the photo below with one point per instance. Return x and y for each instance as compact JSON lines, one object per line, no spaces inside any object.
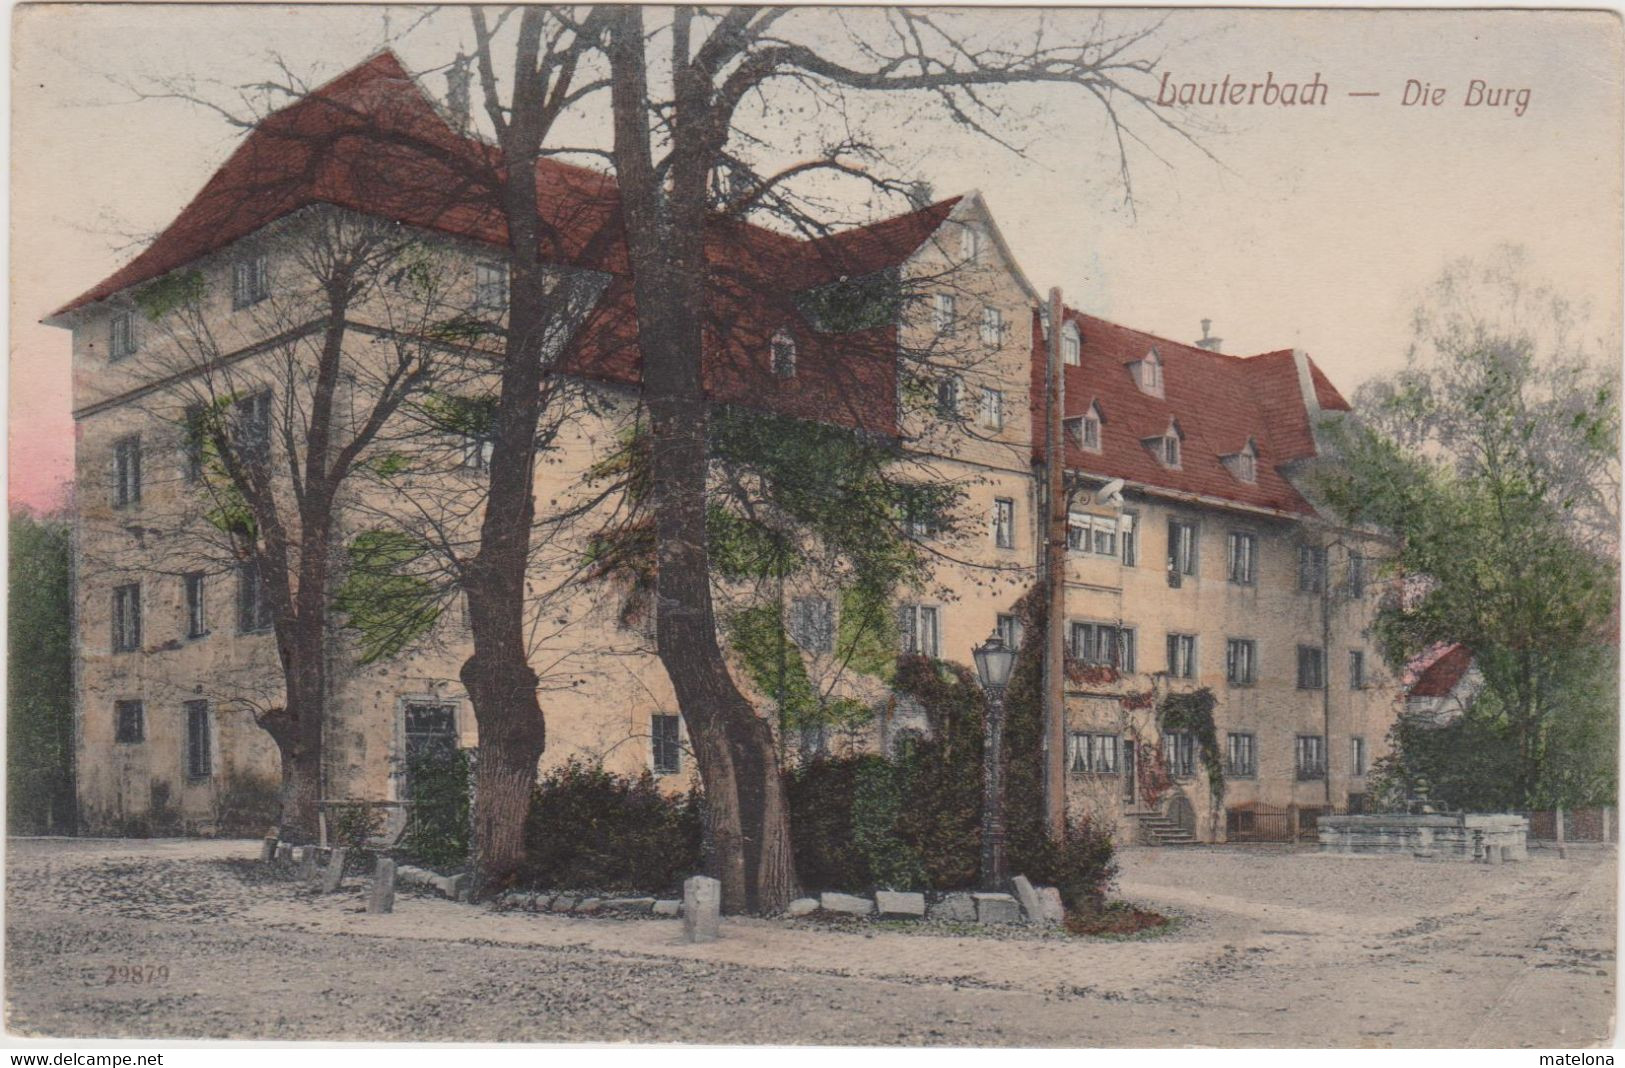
{"x":994,"y":661}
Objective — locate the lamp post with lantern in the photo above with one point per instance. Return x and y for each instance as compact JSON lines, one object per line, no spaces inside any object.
{"x":994,"y":661}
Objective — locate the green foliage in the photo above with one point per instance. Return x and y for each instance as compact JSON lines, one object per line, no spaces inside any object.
{"x":1082,"y":866}
{"x":439,"y":829}
{"x":590,"y":829}
{"x":866,"y":637}
{"x":174,"y":290}
{"x":776,"y":668}
{"x":1471,"y":765}
{"x":449,"y":413}
{"x":388,"y":605}
{"x":1193,"y":712}
{"x":850,"y":304}
{"x":353,"y":827}
{"x":910,"y":823}
{"x":39,"y":678}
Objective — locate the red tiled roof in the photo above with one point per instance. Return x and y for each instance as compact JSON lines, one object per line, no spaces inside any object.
{"x":1220,"y":403}
{"x":1438,"y":676}
{"x":371,"y":141}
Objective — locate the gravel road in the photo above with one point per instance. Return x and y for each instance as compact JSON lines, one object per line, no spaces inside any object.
{"x":1273,"y":949}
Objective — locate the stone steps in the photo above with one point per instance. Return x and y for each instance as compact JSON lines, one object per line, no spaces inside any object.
{"x":1162,"y":831}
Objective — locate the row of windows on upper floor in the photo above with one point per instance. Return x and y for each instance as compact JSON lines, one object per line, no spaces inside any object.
{"x":254,"y":614}
{"x":1103,"y":753}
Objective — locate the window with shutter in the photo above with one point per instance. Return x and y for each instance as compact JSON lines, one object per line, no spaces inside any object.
{"x":666,"y":742}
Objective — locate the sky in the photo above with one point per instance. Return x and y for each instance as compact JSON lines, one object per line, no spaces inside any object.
{"x":1315,"y":226}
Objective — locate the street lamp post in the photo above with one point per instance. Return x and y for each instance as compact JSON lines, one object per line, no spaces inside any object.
{"x":994,"y":660}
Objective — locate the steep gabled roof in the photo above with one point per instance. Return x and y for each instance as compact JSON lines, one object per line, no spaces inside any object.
{"x":1440,"y":671}
{"x":372,"y":141}
{"x":1218,"y":402}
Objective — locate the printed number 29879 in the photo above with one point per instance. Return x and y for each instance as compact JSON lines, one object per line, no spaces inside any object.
{"x":137,"y":973}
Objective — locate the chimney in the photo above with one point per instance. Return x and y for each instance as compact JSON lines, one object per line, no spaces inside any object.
{"x":459,"y":80}
{"x":1207,"y":340}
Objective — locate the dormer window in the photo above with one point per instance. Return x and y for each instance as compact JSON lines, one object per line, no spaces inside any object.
{"x":1244,"y":464}
{"x":1071,"y":345}
{"x":1148,"y":373}
{"x":784,"y":354}
{"x":1085,"y":428}
{"x":1166,"y":447}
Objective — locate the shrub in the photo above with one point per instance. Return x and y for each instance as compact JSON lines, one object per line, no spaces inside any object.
{"x":591,"y":829}
{"x":821,"y":794}
{"x":1082,"y":866}
{"x":437,"y":834}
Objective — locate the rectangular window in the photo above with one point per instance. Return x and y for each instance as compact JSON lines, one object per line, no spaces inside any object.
{"x":1004,"y":523}
{"x":127,"y":472}
{"x":1179,"y":753}
{"x":1241,"y":662}
{"x":429,"y":729}
{"x":1242,"y":756}
{"x":1182,"y":656}
{"x":1311,"y":568}
{"x":992,"y":408}
{"x":199,"y":756}
{"x":253,"y":606}
{"x":127,"y":618}
{"x":1356,"y":757}
{"x":1095,"y":534}
{"x":1181,"y":552}
{"x":254,"y":427}
{"x":812,"y":624}
{"x":476,"y":452}
{"x":250,"y":282}
{"x":919,"y":516}
{"x":192,"y":442}
{"x":491,"y":287}
{"x":129,"y":722}
{"x":1089,"y":435}
{"x":948,"y":395}
{"x":120,"y":336}
{"x":1103,"y":644}
{"x":665,"y":733}
{"x":1311,"y":758}
{"x":1311,"y":667}
{"x":1008,"y":629}
{"x":1356,"y":669}
{"x":1243,"y":558}
{"x":1129,"y":525}
{"x":1355,"y":586}
{"x":197,"y":621}
{"x":919,"y":627}
{"x":992,"y":327}
{"x":1092,"y":753}
{"x":942,"y":314}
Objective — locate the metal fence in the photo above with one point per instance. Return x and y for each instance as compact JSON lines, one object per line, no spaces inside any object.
{"x":1260,"y":823}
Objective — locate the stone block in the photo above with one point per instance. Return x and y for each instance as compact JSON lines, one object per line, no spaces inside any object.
{"x":284,"y":854}
{"x":639,"y":905}
{"x":846,"y":904}
{"x":382,"y":897}
{"x":307,"y":863}
{"x":268,"y":850}
{"x":1050,"y":907}
{"x":562,"y":903}
{"x":954,"y":908}
{"x":702,"y":909}
{"x":589,"y":905}
{"x":458,"y":886}
{"x":996,"y":908}
{"x":667,"y":907}
{"x":333,"y":874}
{"x":801,"y":906}
{"x":1028,"y":897}
{"x":902,"y":906}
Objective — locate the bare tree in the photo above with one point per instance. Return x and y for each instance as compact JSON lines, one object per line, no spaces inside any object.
{"x":677,"y":159}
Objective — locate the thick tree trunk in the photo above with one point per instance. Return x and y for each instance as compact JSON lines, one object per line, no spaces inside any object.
{"x":665,"y":238}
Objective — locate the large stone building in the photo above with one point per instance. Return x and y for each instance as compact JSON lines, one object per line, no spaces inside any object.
{"x":1204,"y":564}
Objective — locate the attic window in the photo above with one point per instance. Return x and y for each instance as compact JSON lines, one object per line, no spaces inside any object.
{"x":784,"y":354}
{"x":970,"y":243}
{"x":1148,"y":373}
{"x":120,"y":336}
{"x":1085,"y":429}
{"x":1166,"y":446}
{"x":1071,"y":345}
{"x":250,"y":281}
{"x":1244,"y":464}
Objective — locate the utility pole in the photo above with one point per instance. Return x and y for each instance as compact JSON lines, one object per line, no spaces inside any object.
{"x":1055,"y":579}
